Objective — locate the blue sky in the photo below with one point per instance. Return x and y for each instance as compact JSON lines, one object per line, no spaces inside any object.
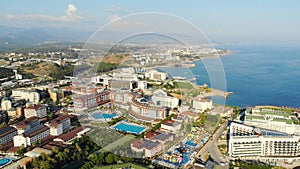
{"x":232,"y":22}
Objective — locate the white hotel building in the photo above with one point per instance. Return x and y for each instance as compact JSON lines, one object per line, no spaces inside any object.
{"x":250,"y":143}
{"x":30,"y":131}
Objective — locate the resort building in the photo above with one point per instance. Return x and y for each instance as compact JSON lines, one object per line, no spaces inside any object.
{"x":142,"y":109}
{"x":171,"y":125}
{"x":71,"y":135}
{"x":6,"y":134}
{"x":161,"y":137}
{"x":252,"y":143}
{"x":155,"y":75}
{"x":202,"y":104}
{"x":160,"y":98}
{"x":30,"y":131}
{"x":5,"y":103}
{"x":148,"y":147}
{"x":92,"y":100}
{"x":272,"y":118}
{"x":35,"y":110}
{"x":59,"y":125}
{"x":30,"y":95}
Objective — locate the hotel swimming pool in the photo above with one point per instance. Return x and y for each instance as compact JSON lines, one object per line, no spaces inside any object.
{"x":101,"y":116}
{"x":4,"y":161}
{"x":130,"y":128}
{"x":190,"y":143}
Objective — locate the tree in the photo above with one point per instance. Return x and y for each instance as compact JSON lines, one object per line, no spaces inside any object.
{"x":21,"y":151}
{"x":109,"y":159}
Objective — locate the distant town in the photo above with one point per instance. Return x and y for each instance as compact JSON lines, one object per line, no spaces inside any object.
{"x":63,"y":109}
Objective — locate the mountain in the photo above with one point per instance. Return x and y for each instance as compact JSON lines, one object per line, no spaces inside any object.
{"x":12,"y":38}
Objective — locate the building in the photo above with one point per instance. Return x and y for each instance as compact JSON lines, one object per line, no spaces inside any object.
{"x":171,"y":125}
{"x":92,"y":100}
{"x":252,"y":143}
{"x":6,"y":134}
{"x":150,"y":148}
{"x":160,"y":98}
{"x":5,"y":103}
{"x":125,"y":75}
{"x":30,"y":131}
{"x":30,"y":95}
{"x":155,"y":75}
{"x":59,"y":125}
{"x":56,"y":94}
{"x":161,"y":137}
{"x":202,"y":104}
{"x":272,"y":118}
{"x":143,"y":85}
{"x":142,"y":109}
{"x":35,"y":110}
{"x":101,"y":80}
{"x":122,"y":84}
{"x":67,"y":138}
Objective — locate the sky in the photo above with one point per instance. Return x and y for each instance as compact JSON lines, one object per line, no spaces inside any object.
{"x":230,"y":22}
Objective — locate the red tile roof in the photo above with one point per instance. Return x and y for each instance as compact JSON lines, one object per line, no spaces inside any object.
{"x":168,"y":122}
{"x":150,"y":135}
{"x":55,"y":122}
{"x":70,"y":135}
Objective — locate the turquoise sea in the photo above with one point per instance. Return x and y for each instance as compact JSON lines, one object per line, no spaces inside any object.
{"x":256,"y":75}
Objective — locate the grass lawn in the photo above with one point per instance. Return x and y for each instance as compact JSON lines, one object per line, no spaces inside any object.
{"x":119,"y":142}
{"x":121,"y":166}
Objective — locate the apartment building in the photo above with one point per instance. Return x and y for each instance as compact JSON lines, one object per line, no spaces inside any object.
{"x":35,"y":110}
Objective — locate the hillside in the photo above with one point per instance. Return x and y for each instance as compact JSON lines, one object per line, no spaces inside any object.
{"x":41,"y":69}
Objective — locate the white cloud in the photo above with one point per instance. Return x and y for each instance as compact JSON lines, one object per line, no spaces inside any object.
{"x":113,"y":17}
{"x":71,"y":15}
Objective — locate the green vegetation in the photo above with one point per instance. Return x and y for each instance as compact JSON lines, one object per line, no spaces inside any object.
{"x":5,"y":72}
{"x":117,"y":166}
{"x":277,"y":113}
{"x":80,"y":150}
{"x":254,"y":117}
{"x":287,"y":121}
{"x":157,"y":125}
{"x":105,"y":67}
{"x":295,"y":120}
{"x":211,"y":123}
{"x":201,"y":121}
{"x":249,"y":165}
{"x":104,"y":136}
{"x":116,"y":120}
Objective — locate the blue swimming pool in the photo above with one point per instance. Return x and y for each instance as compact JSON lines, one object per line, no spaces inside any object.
{"x":190,"y":143}
{"x":130,"y":128}
{"x":104,"y":116}
{"x":4,"y":161}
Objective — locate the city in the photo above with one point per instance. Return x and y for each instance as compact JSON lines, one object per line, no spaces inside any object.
{"x":199,"y":85}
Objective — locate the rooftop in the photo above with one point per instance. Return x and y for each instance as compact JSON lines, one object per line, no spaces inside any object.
{"x":60,"y":119}
{"x":71,"y":134}
{"x":36,"y":130}
{"x":6,"y":130}
{"x":35,"y":107}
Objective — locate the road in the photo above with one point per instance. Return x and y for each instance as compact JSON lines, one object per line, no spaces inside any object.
{"x":211,"y":146}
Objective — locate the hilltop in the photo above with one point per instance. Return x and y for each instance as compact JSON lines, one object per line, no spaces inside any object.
{"x":41,"y":69}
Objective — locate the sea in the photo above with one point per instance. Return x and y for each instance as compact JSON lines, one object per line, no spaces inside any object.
{"x":255,"y":75}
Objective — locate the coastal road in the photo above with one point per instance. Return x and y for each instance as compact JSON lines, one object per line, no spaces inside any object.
{"x":211,"y":146}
